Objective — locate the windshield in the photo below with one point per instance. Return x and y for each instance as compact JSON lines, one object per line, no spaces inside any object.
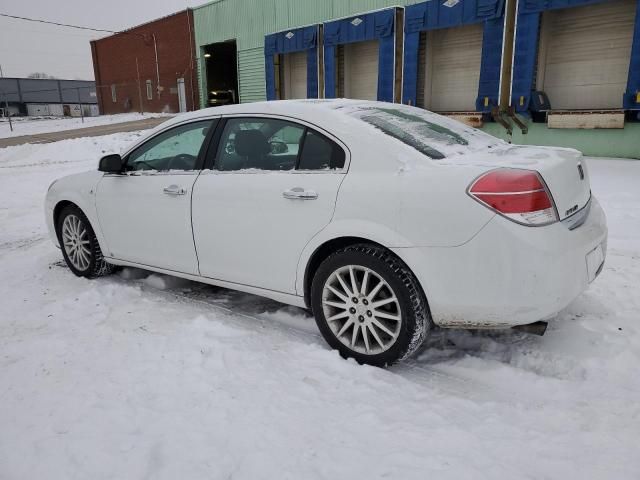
{"x":433,"y":135}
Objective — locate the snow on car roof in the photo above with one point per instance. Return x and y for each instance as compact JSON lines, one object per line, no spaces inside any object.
{"x":431,"y":134}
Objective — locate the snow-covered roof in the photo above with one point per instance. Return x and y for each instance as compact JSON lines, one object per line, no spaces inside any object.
{"x":432,"y":134}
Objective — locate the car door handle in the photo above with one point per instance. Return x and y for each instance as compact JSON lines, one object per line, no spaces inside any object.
{"x":175,"y":190}
{"x":298,"y":193}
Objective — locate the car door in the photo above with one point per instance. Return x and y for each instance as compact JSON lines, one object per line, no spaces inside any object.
{"x":272,"y":188}
{"x":145,"y":213}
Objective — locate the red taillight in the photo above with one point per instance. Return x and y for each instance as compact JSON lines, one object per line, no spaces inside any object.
{"x":519,"y":195}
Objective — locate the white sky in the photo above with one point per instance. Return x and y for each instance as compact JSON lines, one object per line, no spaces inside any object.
{"x":27,"y":47}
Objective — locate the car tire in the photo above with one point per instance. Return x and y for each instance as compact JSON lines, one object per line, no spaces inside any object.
{"x":79,"y":245}
{"x":387,"y":318}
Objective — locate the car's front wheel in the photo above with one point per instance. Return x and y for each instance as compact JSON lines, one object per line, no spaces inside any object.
{"x":369,"y":305}
{"x":79,"y":244}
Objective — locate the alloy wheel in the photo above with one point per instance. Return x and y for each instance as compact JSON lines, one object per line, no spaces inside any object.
{"x":75,"y":239}
{"x":361,"y":309}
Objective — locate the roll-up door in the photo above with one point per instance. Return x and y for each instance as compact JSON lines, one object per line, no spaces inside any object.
{"x":361,"y":70}
{"x":453,"y":58}
{"x":295,"y":75}
{"x":584,"y":55}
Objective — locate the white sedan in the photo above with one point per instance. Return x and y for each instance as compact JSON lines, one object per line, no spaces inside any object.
{"x":381,"y":219}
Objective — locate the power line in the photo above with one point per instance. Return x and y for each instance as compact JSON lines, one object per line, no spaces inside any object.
{"x":38,"y":20}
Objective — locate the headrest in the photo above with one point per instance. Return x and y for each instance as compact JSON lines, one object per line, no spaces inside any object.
{"x":251,"y":143}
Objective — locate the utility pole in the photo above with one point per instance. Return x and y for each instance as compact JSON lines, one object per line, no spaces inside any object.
{"x":7,"y":112}
{"x":155,"y":47}
{"x":80,"y":102}
{"x":139,"y":86}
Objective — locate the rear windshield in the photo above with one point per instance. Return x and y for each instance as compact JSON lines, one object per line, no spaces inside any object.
{"x":433,"y":135}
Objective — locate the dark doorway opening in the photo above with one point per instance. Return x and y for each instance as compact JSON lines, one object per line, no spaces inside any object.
{"x":221,"y":63}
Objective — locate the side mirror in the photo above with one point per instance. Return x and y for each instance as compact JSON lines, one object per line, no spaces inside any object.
{"x":111,"y":164}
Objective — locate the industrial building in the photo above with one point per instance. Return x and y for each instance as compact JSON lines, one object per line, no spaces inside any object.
{"x":148,"y":68}
{"x":47,"y":97}
{"x":575,"y":79}
{"x":576,"y":72}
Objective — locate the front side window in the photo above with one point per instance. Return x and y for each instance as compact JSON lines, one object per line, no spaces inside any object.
{"x":175,"y":149}
{"x":273,"y":144}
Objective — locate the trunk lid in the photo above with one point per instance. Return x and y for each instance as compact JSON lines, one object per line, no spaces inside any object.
{"x":563,"y":170}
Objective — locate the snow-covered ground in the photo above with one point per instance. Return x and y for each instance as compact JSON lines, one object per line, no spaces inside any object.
{"x":35,"y":125}
{"x":144,"y":376}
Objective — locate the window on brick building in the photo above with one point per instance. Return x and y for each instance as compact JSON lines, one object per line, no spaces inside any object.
{"x":149,"y":90}
{"x":114,"y":99}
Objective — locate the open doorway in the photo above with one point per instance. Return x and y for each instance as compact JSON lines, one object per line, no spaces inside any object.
{"x":221,"y":63}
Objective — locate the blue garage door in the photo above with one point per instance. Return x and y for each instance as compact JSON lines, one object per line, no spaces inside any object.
{"x":298,"y":49}
{"x":361,"y":35}
{"x":434,"y":16}
{"x":581,"y":64}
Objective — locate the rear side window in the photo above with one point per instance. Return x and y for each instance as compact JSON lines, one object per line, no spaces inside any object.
{"x":263,"y":143}
{"x":259,"y":144}
{"x":320,"y":153}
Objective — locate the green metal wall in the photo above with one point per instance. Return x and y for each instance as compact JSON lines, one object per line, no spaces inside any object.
{"x":622,"y":143}
{"x":248,"y":21}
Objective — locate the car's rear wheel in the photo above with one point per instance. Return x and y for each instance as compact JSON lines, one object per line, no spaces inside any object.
{"x":369,"y":306}
{"x":80,"y":246}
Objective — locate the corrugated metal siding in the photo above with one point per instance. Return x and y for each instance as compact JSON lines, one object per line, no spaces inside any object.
{"x":342,"y":8}
{"x":300,"y":13}
{"x":251,"y":75}
{"x":454,"y":68}
{"x":248,"y":21}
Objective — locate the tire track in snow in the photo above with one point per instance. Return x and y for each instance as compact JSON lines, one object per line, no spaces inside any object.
{"x":416,"y":372}
{"x":273,"y":317}
{"x":21,"y":243}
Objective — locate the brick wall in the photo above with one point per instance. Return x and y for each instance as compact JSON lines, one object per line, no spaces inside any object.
{"x":114,"y":64}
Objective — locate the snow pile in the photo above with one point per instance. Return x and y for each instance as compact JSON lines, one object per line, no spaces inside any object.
{"x":35,"y":125}
{"x":115,"y":378}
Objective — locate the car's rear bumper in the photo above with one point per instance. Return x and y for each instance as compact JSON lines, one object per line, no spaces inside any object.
{"x":508,"y":274}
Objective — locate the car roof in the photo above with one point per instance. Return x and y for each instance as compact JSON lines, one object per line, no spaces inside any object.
{"x":313,"y":110}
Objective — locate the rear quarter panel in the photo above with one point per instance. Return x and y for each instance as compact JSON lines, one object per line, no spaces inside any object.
{"x":435,"y":210}
{"x":425,"y":203}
